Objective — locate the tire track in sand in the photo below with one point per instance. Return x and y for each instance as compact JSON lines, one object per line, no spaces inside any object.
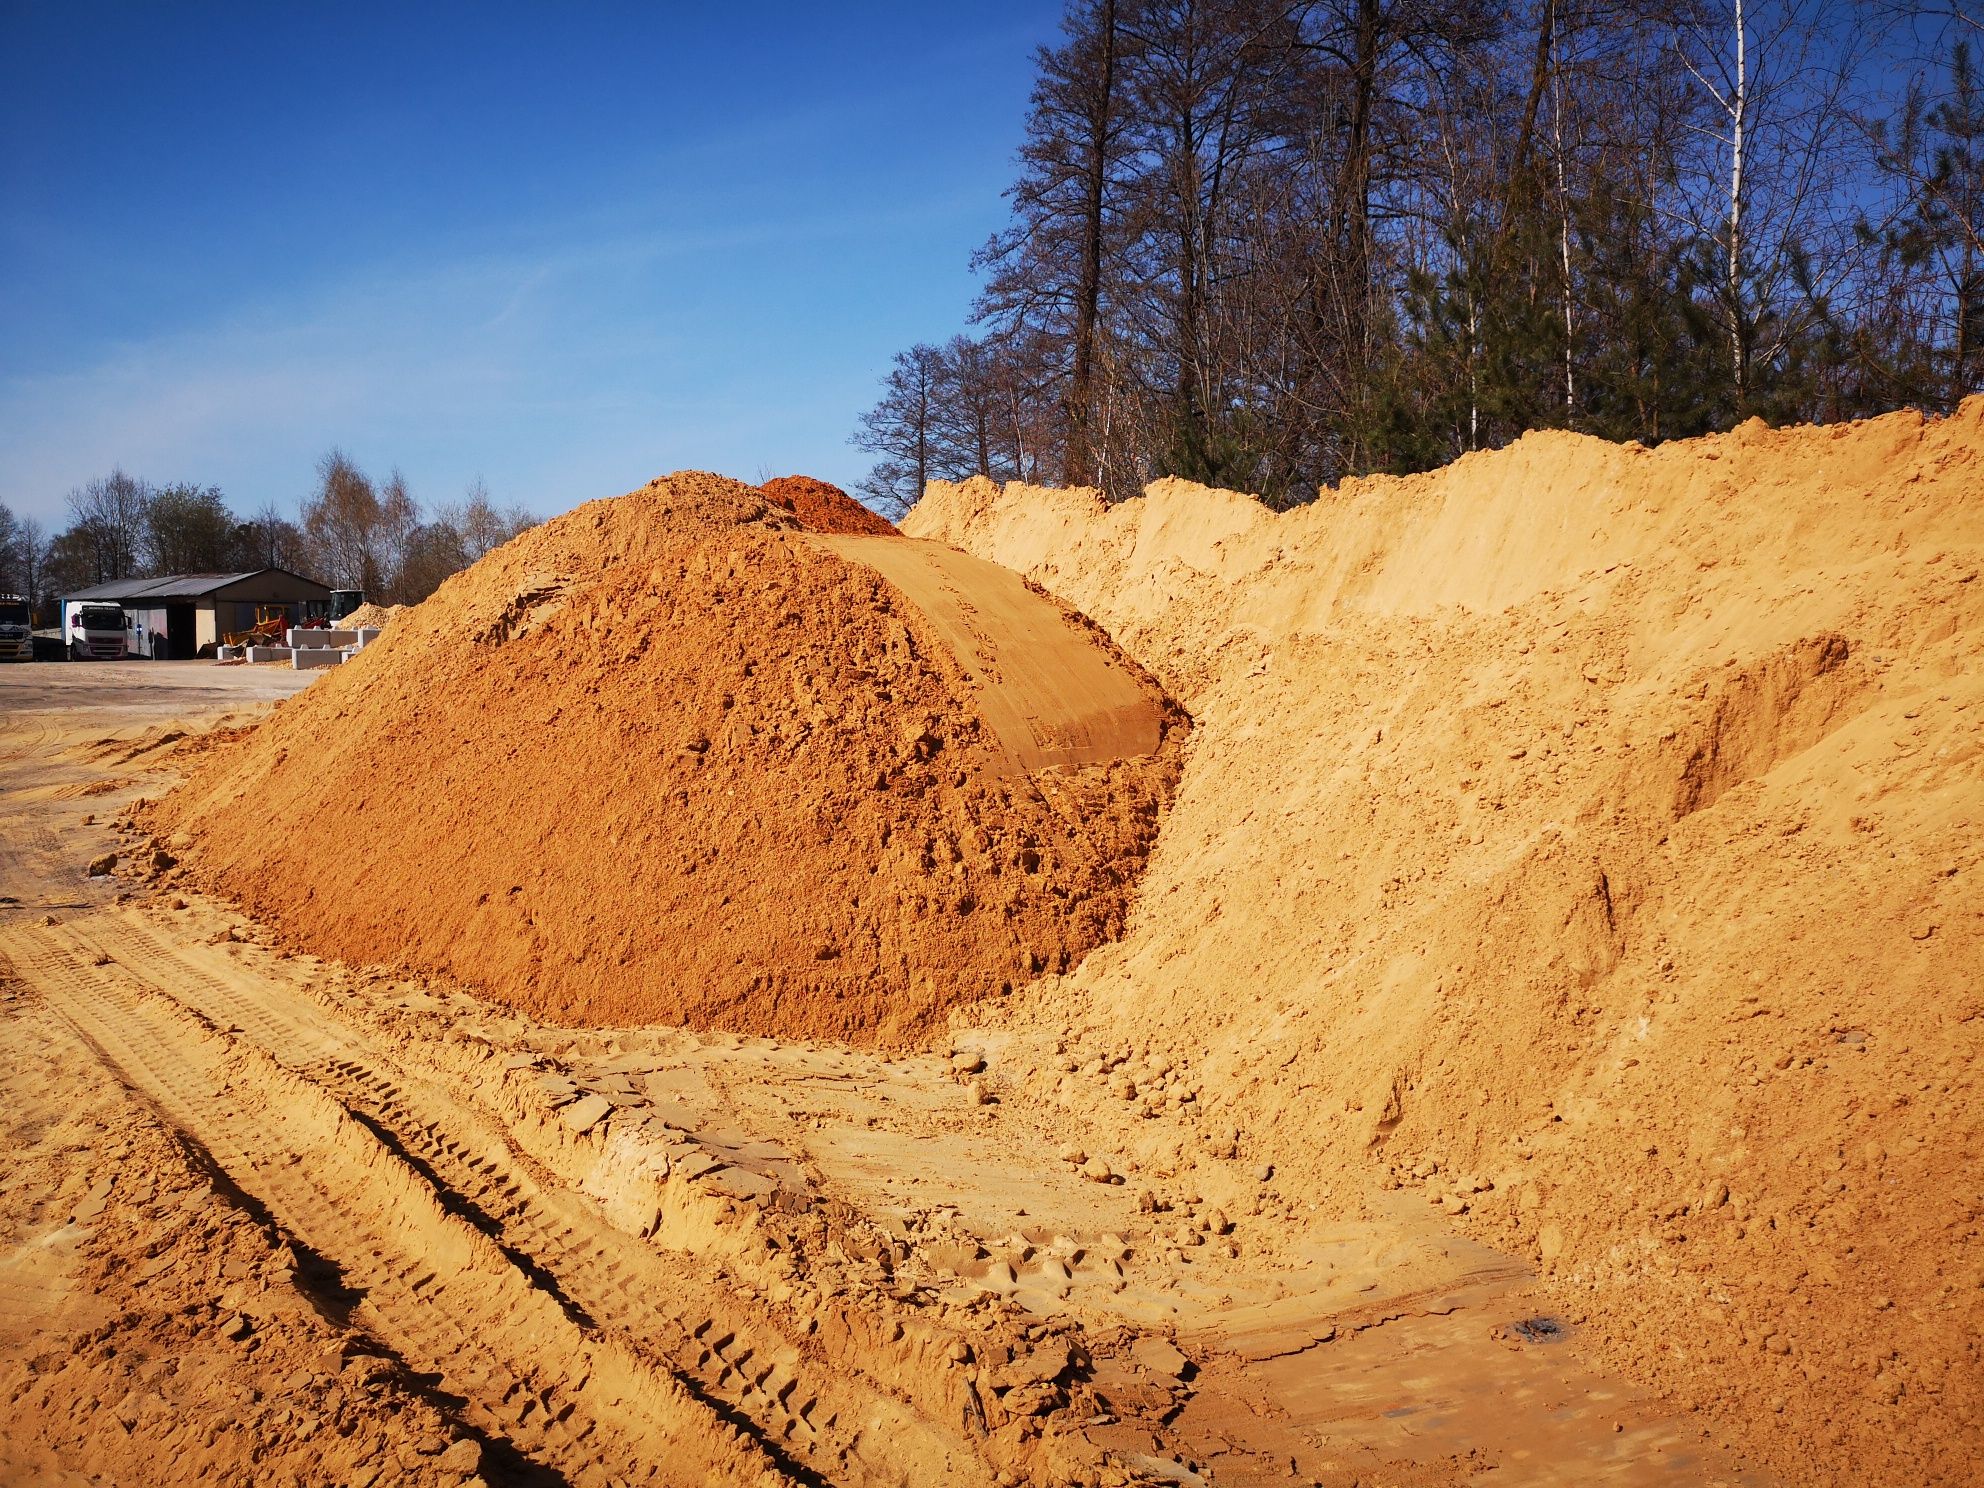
{"x":741,"y":1367}
{"x":530,"y":1376}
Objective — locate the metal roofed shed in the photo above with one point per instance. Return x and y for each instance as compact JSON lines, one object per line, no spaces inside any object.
{"x":177,"y":616}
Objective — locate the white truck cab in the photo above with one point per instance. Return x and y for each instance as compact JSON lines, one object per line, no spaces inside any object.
{"x":93,"y":631}
{"x":16,"y":629}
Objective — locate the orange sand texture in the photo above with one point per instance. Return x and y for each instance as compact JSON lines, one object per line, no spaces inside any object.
{"x":823,"y":507}
{"x":670,"y":757}
{"x":370,"y":616}
{"x":1586,"y":836}
{"x":1594,"y":838}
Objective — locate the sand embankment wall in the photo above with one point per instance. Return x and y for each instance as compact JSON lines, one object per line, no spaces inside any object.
{"x":1596,"y":833}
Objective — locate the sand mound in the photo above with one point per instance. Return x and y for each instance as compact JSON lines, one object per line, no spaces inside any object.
{"x":823,"y":507}
{"x":370,"y":616}
{"x":671,"y":757}
{"x":1590,"y":838}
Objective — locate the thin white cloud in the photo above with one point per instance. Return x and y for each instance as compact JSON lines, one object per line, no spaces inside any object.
{"x":560,"y":375}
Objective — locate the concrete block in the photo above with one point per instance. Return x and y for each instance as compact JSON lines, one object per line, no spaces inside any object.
{"x":316,"y":638}
{"x":367,"y":634}
{"x":227,"y":653}
{"x":269,"y":653}
{"x":307,"y":658}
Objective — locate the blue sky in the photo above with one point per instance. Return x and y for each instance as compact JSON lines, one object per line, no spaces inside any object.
{"x":562,"y":247}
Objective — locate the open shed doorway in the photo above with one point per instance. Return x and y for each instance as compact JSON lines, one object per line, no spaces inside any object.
{"x":180,"y":641}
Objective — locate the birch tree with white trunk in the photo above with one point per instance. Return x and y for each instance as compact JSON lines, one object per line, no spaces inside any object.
{"x":1776,"y":75}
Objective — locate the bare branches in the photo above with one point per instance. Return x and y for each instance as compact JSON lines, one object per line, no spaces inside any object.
{"x":109,"y":517}
{"x":1270,"y":244}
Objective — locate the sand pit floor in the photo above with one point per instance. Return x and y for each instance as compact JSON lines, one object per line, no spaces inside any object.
{"x":267,"y":1217}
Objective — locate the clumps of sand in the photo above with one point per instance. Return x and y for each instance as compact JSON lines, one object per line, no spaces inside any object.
{"x":1588,"y":840}
{"x":369,"y":616}
{"x":163,"y":1336}
{"x":671,"y":757}
{"x":823,"y":507}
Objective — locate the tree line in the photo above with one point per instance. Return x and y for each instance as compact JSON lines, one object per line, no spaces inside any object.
{"x":1267,"y":245}
{"x":352,"y":532}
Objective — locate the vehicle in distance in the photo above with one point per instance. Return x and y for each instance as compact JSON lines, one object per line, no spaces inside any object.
{"x":95,"y":632}
{"x":16,"y":629}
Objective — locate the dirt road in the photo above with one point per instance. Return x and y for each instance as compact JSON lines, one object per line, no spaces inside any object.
{"x":270,"y":1219}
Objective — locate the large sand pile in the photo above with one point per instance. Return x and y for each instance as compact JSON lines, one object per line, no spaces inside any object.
{"x":674,"y":757}
{"x":1594,"y":838}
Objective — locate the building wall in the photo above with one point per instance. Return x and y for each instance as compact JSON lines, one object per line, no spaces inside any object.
{"x":302,"y":596}
{"x":139,"y":623}
{"x":143,"y":619}
{"x":216,"y":613}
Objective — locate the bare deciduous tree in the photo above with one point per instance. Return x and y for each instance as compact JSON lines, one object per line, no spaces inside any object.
{"x":1778,"y":77}
{"x":269,"y":539}
{"x":356,"y":532}
{"x":109,"y":517}
{"x":1271,"y":243}
{"x":902,"y":430}
{"x":188,"y":529}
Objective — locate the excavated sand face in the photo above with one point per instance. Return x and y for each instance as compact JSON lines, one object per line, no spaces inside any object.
{"x":1589,"y":838}
{"x":673,"y":757}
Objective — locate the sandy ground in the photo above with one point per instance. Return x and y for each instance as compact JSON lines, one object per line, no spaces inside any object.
{"x":271,"y":1219}
{"x":1583,"y":840}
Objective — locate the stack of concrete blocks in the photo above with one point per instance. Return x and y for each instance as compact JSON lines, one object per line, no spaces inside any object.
{"x":364,"y":636}
{"x":318,"y":648}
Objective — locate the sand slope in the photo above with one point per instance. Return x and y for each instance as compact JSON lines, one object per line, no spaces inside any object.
{"x":1591,"y":836}
{"x":671,"y":757}
{"x":1052,"y":694}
